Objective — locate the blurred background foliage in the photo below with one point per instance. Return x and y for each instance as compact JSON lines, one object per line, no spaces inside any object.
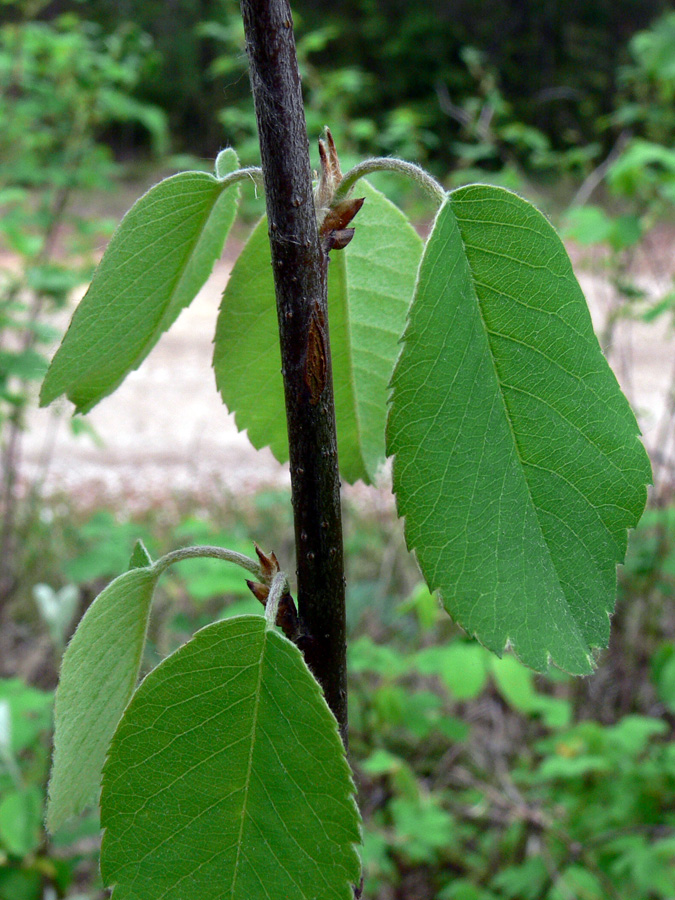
{"x":388,"y":76}
{"x":478,"y":779}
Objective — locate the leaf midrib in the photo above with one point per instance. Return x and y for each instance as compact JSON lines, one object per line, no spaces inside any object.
{"x":249,"y":768}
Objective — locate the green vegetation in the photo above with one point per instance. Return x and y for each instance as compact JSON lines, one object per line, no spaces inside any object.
{"x":476,"y":778}
{"x":378,"y":73}
{"x":362,"y":297}
{"x":61,"y":84}
{"x":466,"y":765}
{"x":546,"y":476}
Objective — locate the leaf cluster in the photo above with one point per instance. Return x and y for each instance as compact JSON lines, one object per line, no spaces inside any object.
{"x":557,"y":807}
{"x":27,"y":866}
{"x":517,"y":469}
{"x":426,"y":706}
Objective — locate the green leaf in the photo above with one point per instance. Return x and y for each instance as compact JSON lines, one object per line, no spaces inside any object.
{"x":205,"y":579}
{"x":21,"y":884}
{"x":664,"y":305}
{"x":28,"y":365}
{"x":21,"y":820}
{"x":633,"y":733}
{"x":588,"y":225}
{"x":381,"y":762}
{"x":156,"y":262}
{"x":663,"y":665}
{"x":577,"y":882}
{"x":366,"y":656}
{"x":460,"y":666}
{"x":423,"y":828}
{"x":522,"y":882}
{"x":464,"y":890}
{"x":98,"y":675}
{"x":226,"y":776}
{"x":140,"y":558}
{"x":370,"y":284}
{"x":516,"y":685}
{"x":28,"y":711}
{"x":517,"y":461}
{"x":226,"y":163}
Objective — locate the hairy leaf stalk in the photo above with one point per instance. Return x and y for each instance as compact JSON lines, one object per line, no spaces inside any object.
{"x":300,"y":271}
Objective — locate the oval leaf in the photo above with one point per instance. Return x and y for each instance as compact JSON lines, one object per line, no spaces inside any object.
{"x":98,"y":675}
{"x":370,"y":284}
{"x":158,"y":259}
{"x":517,"y":462}
{"x":227,"y":777}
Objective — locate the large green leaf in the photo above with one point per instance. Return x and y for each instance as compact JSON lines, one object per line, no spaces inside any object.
{"x":517,"y":462}
{"x":156,"y":262}
{"x":227,"y":777}
{"x":370,"y":285}
{"x":98,"y":675}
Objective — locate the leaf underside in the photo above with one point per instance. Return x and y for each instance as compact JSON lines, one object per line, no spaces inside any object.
{"x":370,"y":285}
{"x":157,"y":261}
{"x":517,"y":463}
{"x":227,"y":777}
{"x":98,"y":675}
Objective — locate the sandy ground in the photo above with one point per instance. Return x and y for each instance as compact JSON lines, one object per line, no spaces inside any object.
{"x":165,"y":429}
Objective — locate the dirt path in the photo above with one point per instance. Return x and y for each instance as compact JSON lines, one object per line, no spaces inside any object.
{"x":165,"y":429}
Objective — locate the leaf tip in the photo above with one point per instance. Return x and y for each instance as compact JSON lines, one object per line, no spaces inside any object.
{"x":47,"y":392}
{"x":227,"y":162}
{"x":140,"y":558}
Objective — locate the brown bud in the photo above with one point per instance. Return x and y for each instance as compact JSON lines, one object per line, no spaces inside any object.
{"x":268,"y":563}
{"x":339,"y":216}
{"x":287,"y":617}
{"x":287,"y":614}
{"x":338,"y":240}
{"x":332,"y":153}
{"x":330,"y":175}
{"x":259,"y":591}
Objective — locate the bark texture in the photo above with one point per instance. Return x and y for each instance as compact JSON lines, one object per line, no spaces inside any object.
{"x":300,"y":269}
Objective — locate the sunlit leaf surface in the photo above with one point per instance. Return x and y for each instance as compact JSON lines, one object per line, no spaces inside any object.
{"x":227,"y":778}
{"x":98,"y":675}
{"x":370,"y":285}
{"x":517,"y":463}
{"x":160,"y":256}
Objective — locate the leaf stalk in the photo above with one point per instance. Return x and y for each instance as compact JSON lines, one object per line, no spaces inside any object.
{"x":420,"y":176}
{"x":208,"y":552}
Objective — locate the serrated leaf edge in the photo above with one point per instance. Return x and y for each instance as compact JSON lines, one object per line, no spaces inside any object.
{"x":266,"y":632}
{"x":509,"y":644}
{"x":48,"y":396}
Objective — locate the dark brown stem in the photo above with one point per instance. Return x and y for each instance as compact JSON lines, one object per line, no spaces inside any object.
{"x":300,"y":269}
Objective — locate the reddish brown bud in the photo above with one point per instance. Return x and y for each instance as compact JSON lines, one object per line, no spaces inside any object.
{"x":330,"y":175}
{"x":287,"y":617}
{"x":259,"y":591}
{"x":334,"y":159}
{"x":287,"y":614}
{"x":341,"y":215}
{"x":338,"y":240}
{"x":268,"y":563}
{"x":323,"y":154}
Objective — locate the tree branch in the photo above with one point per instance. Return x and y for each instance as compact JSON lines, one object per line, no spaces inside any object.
{"x":300,"y":271}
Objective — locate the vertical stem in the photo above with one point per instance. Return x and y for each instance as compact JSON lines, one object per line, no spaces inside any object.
{"x":300,"y":269}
